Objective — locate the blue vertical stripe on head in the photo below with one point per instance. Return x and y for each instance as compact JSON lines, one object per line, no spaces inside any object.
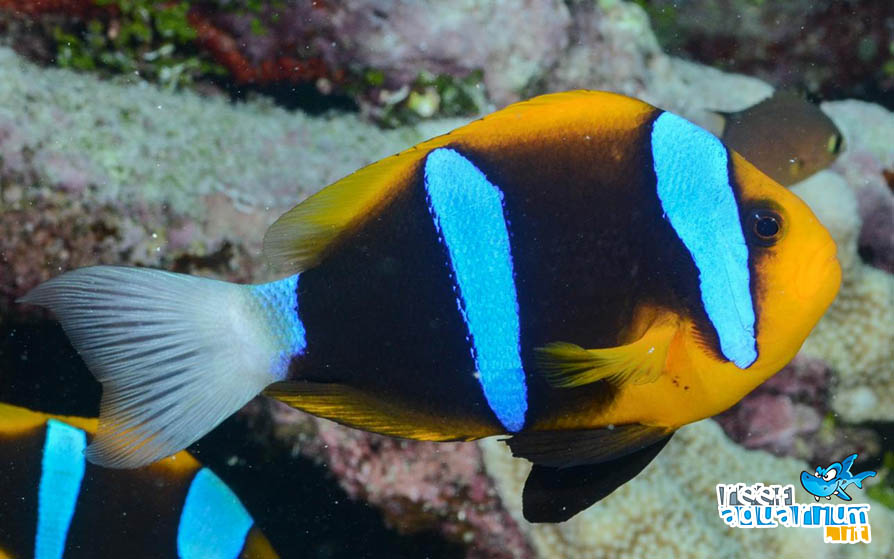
{"x":213,"y":524}
{"x":468,"y":213}
{"x":279,"y":300}
{"x":691,"y":167}
{"x":61,"y":472}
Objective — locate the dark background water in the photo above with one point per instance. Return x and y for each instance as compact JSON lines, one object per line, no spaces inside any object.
{"x":294,"y":500}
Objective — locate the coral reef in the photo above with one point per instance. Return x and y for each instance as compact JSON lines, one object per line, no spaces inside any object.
{"x":670,"y":509}
{"x":834,"y":49}
{"x":419,"y":487}
{"x":234,"y":50}
{"x":401,"y":39}
{"x":132,"y":169}
{"x":189,"y":183}
{"x":856,"y":335}
{"x":423,"y":486}
{"x":867,"y":165}
{"x":790,"y":415}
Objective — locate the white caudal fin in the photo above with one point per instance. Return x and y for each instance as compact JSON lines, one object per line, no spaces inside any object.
{"x":176,"y":354}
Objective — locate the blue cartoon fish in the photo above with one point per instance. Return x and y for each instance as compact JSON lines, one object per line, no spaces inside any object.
{"x":832,"y":480}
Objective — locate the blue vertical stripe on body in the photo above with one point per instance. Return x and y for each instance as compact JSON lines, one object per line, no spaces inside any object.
{"x":279,"y":300}
{"x":468,"y":213}
{"x":61,"y":473}
{"x":691,"y":168}
{"x":213,"y":524}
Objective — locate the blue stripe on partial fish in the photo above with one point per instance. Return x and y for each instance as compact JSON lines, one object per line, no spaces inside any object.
{"x":468,"y":213}
{"x":279,"y":300}
{"x":696,"y":196}
{"x":213,"y":524}
{"x":61,"y":472}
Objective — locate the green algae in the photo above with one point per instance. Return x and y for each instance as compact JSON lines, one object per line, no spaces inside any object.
{"x":432,"y":96}
{"x":152,"y":40}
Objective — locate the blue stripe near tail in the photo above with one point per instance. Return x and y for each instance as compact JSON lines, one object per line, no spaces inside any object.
{"x":468,"y":213}
{"x":213,"y":523}
{"x":61,"y":474}
{"x":280,"y":302}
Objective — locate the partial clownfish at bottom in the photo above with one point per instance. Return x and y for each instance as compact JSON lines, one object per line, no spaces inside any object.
{"x":582,"y":271}
{"x":54,"y":505}
{"x":785,"y":136}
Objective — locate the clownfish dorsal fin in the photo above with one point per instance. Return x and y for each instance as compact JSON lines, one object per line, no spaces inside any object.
{"x":299,"y":238}
{"x":568,"y":365}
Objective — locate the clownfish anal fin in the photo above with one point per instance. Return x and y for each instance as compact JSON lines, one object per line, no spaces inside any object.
{"x":556,"y":494}
{"x":355,"y":408}
{"x":567,"y":365}
{"x":565,"y":449}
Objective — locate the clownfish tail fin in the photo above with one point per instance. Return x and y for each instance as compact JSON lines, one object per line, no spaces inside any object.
{"x":176,"y":354}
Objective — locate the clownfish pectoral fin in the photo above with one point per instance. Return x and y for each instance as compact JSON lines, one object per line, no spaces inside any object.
{"x":556,"y":494}
{"x":567,"y":365}
{"x":566,"y":449}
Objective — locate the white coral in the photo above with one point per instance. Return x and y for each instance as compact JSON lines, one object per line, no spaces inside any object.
{"x":670,"y":509}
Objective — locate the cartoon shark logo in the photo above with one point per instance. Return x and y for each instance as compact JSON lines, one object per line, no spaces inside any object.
{"x":833,"y":479}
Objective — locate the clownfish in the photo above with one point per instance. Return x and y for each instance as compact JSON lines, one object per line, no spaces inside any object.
{"x":52,"y":502}
{"x":581,"y":272}
{"x":785,"y":136}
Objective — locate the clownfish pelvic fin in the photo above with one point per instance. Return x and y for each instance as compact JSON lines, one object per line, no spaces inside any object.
{"x":567,"y":365}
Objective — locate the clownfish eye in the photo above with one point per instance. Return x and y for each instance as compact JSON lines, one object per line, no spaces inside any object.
{"x":835,"y":143}
{"x":766,"y":226}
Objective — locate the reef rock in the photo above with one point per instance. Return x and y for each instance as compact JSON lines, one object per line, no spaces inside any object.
{"x":788,"y":415}
{"x":835,"y":49}
{"x":154,"y":178}
{"x":856,"y":335}
{"x":670,"y":509}
{"x":182,"y":182}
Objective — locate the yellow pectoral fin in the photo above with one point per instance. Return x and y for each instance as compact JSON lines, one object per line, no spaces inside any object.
{"x":567,"y":365}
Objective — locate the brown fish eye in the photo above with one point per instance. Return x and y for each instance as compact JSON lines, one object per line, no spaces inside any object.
{"x":766,"y":226}
{"x":835,"y":143}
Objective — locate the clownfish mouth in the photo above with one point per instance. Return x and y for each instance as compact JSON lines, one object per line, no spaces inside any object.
{"x":821,"y":271}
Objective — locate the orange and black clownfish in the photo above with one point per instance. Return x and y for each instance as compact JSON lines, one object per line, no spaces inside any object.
{"x":582,"y":271}
{"x":54,"y":505}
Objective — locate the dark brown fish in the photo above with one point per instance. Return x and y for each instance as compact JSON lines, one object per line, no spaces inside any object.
{"x":785,"y":136}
